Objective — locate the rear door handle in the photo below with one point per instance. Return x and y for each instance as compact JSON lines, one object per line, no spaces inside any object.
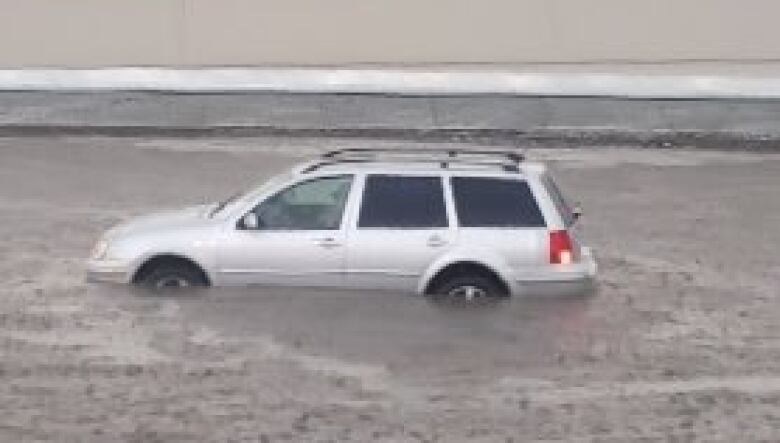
{"x":328,"y":242}
{"x":436,"y":241}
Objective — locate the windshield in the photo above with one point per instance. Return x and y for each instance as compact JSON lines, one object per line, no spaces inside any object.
{"x":251,"y":193}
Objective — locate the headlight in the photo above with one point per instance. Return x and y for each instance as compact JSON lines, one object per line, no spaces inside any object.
{"x":100,"y":250}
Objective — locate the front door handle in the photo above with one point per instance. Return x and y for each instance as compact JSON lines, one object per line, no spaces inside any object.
{"x":436,"y":241}
{"x":327,"y":242}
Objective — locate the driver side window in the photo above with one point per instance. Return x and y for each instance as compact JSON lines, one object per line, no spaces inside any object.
{"x":316,"y":204}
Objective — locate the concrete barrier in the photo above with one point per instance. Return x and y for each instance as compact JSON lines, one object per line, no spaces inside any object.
{"x":709,"y":81}
{"x":375,"y":115}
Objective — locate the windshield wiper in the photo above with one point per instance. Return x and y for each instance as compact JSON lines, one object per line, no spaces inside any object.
{"x":218,"y":207}
{"x":221,"y":205}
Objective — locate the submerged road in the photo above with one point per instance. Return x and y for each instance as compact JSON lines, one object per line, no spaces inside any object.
{"x":680,"y":341}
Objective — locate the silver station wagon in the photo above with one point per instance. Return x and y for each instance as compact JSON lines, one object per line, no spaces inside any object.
{"x":462,"y":224}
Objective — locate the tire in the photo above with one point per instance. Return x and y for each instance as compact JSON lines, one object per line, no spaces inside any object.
{"x":172,"y":276}
{"x":468,"y":290}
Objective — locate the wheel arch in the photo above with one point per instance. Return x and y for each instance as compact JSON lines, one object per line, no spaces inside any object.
{"x":149,"y":263}
{"x":445,"y":269}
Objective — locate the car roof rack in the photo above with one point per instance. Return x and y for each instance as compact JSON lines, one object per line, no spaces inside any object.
{"x":450,"y":153}
{"x":507,"y":160}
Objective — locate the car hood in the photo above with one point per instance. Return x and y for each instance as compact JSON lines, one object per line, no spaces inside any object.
{"x":189,"y":217}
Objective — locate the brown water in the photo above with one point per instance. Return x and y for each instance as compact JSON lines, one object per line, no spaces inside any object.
{"x":679,"y":341}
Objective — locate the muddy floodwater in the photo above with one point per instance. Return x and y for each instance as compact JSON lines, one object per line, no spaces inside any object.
{"x":679,"y":341}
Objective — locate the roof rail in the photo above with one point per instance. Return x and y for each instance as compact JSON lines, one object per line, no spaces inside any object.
{"x":426,"y":153}
{"x":444,"y":164}
{"x":505,"y":159}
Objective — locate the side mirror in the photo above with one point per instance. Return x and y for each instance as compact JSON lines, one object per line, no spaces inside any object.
{"x":249,"y":221}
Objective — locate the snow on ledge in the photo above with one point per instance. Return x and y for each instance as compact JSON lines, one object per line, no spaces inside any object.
{"x":390,"y":81}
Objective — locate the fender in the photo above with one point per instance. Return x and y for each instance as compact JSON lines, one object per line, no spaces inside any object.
{"x":484,"y":257}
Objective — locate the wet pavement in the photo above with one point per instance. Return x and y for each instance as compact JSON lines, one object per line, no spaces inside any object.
{"x":404,"y":333}
{"x":680,"y":341}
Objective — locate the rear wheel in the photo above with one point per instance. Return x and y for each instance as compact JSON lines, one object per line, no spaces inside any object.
{"x":172,"y":276}
{"x":469,"y":289}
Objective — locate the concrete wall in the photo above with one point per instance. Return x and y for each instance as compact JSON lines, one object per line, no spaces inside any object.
{"x":91,"y":33}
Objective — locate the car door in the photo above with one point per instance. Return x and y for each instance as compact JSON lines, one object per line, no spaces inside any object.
{"x":400,"y":229}
{"x":299,"y":240}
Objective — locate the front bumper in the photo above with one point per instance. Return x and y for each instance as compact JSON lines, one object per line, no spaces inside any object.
{"x":106,"y":271}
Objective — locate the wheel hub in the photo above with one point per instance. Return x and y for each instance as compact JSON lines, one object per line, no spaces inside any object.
{"x":468,"y":293}
{"x":172,"y":282}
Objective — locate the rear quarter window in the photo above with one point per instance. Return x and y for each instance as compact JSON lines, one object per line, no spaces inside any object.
{"x":484,"y":202}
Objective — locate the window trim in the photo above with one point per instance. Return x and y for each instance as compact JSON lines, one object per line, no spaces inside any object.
{"x":360,"y":194}
{"x":288,"y":185}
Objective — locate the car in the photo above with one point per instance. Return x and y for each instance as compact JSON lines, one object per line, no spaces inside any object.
{"x":460,"y":224}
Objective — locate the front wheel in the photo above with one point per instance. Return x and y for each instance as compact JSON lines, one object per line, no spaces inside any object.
{"x":173,"y":276}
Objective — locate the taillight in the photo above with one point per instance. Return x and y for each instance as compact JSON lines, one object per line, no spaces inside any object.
{"x":561,"y":252}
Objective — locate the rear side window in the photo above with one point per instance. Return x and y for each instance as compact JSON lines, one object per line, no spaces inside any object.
{"x":484,"y":202}
{"x":402,"y":202}
{"x":561,"y":205}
